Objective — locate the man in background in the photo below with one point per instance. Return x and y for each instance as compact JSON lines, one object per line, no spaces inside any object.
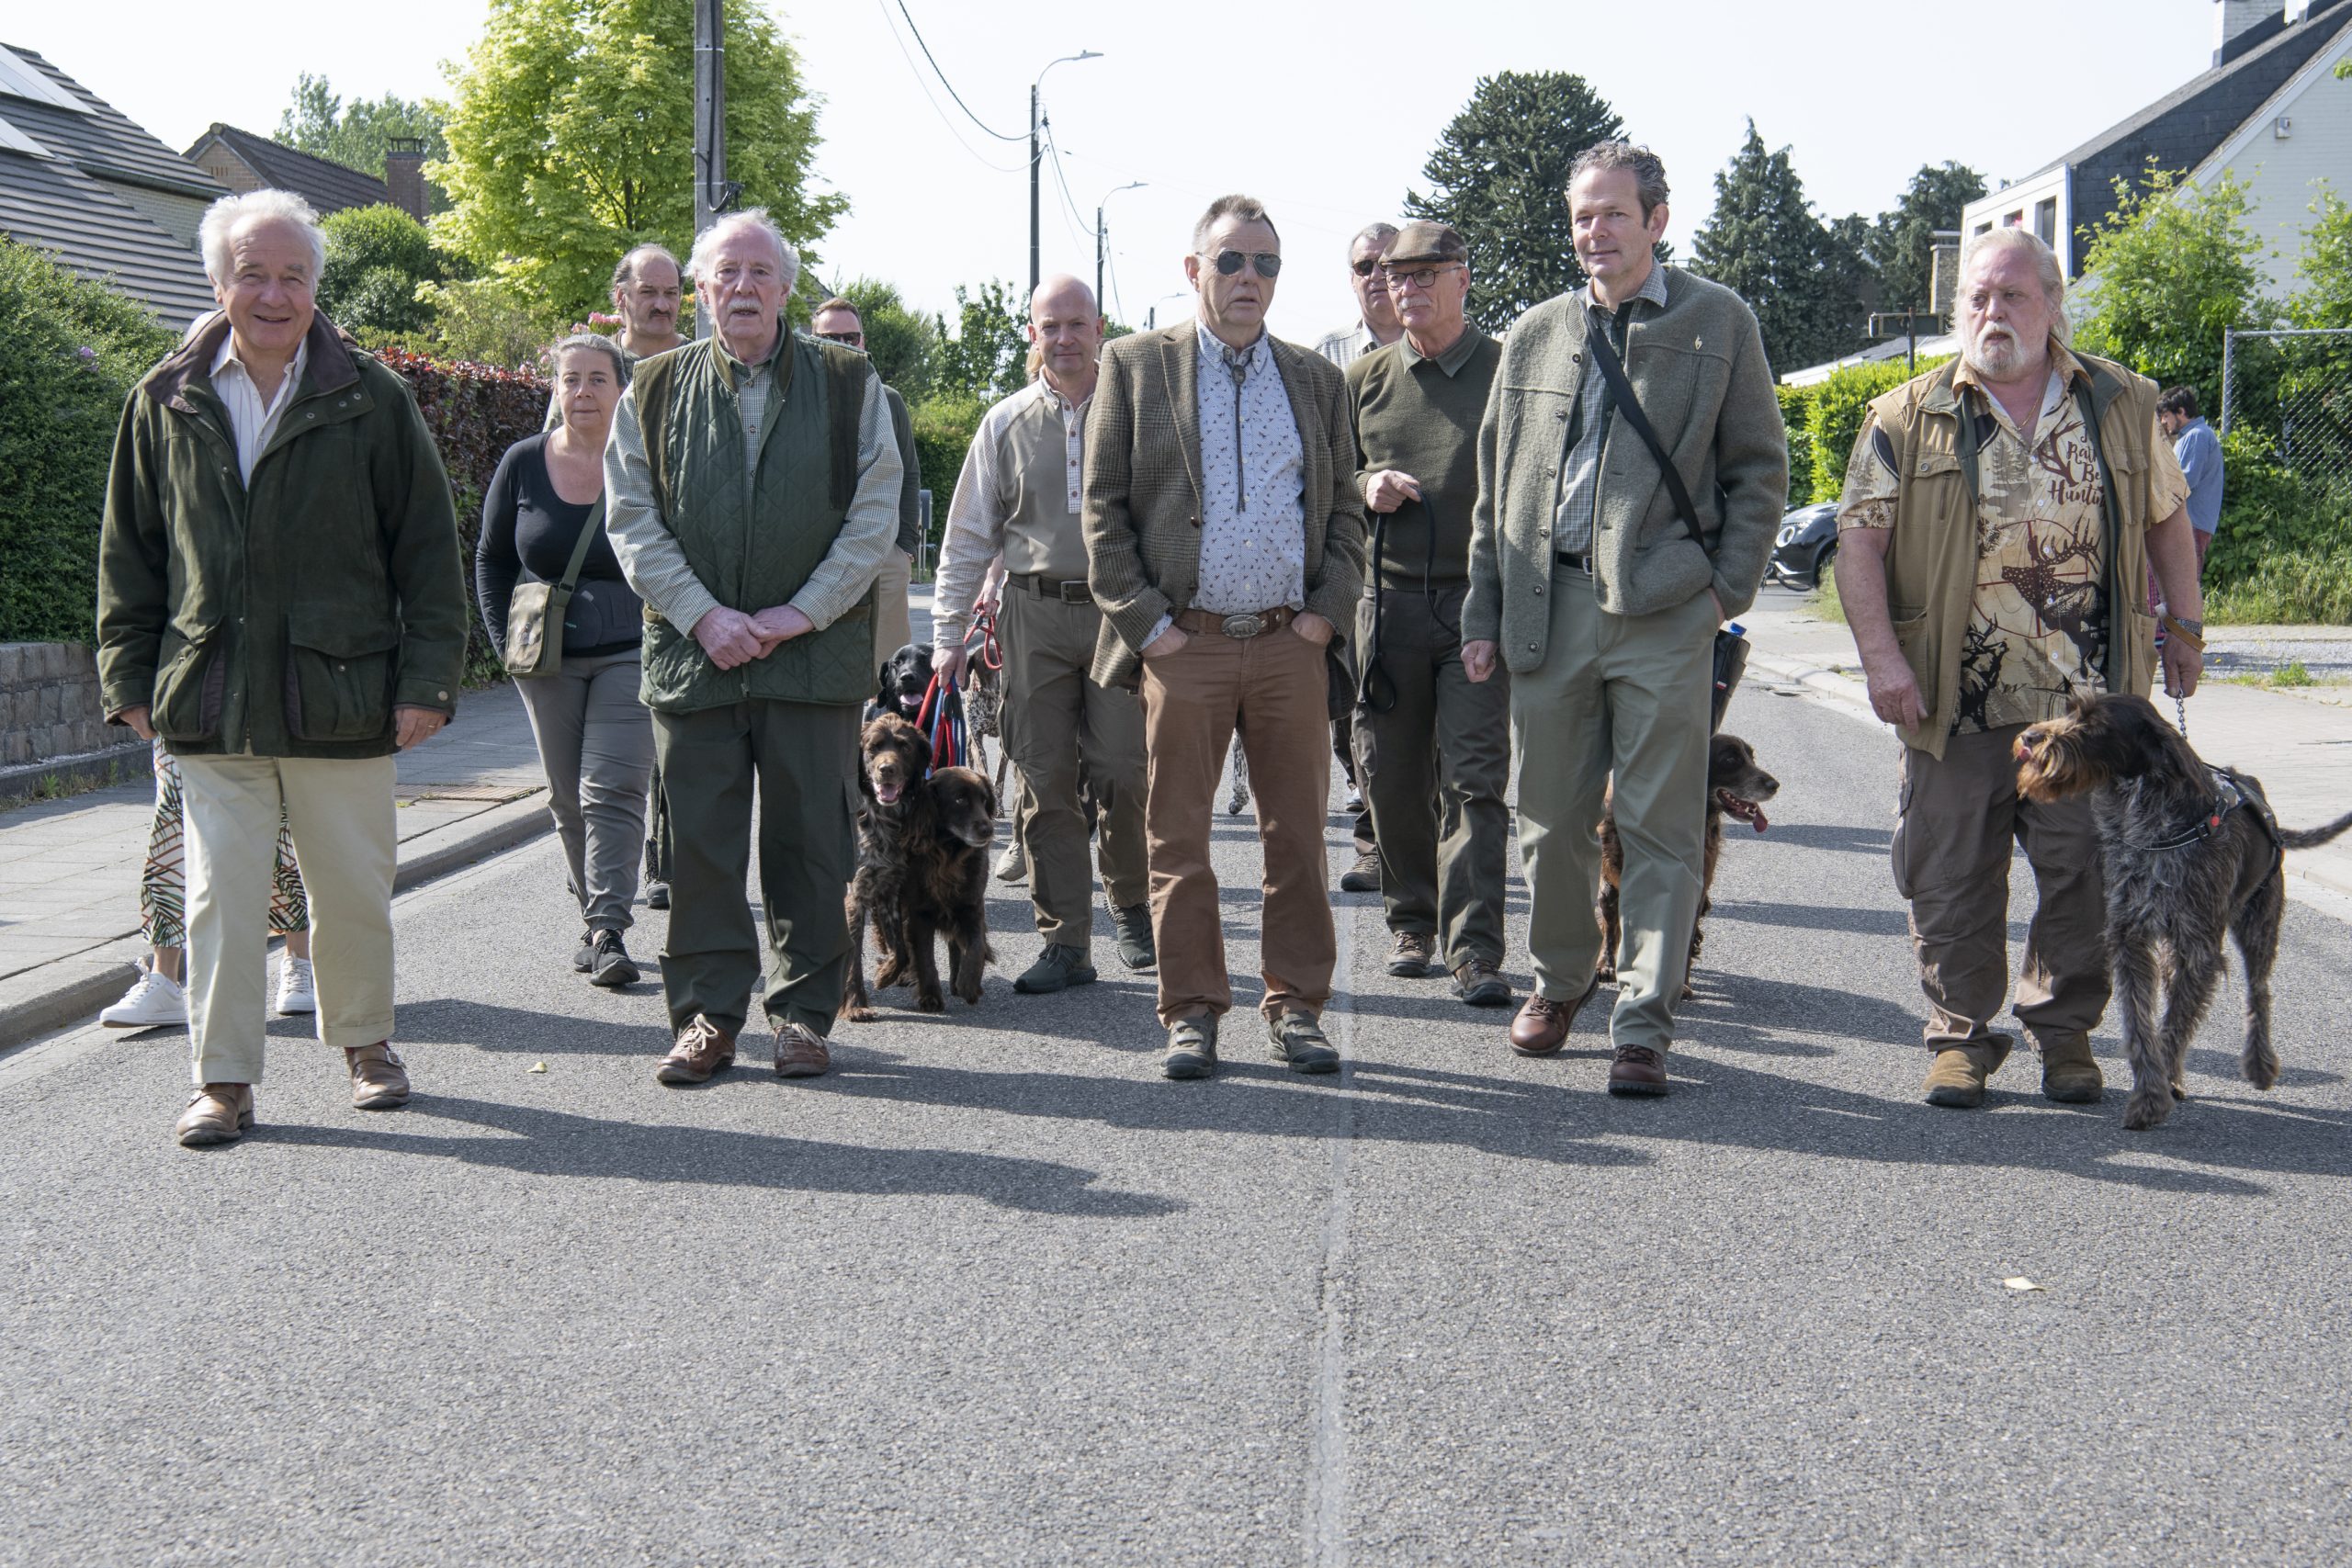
{"x":837,"y":320}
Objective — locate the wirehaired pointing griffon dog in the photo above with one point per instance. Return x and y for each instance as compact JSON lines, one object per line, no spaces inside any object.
{"x":2190,"y":852}
{"x":1735,"y":787}
{"x":922,"y":868}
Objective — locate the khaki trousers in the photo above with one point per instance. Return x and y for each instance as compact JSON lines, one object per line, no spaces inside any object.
{"x":1624,"y":695}
{"x":1433,"y":769}
{"x":341,"y":819}
{"x":1960,"y":821}
{"x":801,"y":761}
{"x":893,"y":625}
{"x":1071,"y":741}
{"x":1272,"y":687}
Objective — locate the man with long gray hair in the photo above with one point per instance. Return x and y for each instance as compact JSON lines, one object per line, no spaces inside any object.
{"x":752,"y":488}
{"x":2011,"y":502}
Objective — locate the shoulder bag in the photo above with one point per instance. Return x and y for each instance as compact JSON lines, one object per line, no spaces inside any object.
{"x":535,"y":614}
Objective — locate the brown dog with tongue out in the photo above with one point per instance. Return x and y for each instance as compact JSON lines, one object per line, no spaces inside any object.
{"x":1735,"y":787}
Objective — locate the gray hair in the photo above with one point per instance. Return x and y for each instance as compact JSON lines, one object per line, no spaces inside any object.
{"x":1378,"y":234}
{"x":222,"y":219}
{"x":625,"y":270}
{"x":2009,"y":237}
{"x":597,"y":341}
{"x":726,"y":223}
{"x":1249,"y":209}
{"x":1648,"y":170}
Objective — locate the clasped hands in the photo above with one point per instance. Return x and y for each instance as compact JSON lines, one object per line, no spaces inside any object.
{"x":733,"y":639}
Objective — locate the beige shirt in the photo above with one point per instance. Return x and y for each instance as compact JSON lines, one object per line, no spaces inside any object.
{"x":1018,"y":494}
{"x":251,"y":421}
{"x":2037,"y":619}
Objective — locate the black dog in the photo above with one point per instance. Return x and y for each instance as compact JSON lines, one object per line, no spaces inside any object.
{"x":902,"y":682}
{"x":922,"y":854}
{"x":2190,"y":852}
{"x":893,"y":756}
{"x":946,"y":885}
{"x":1735,"y":787}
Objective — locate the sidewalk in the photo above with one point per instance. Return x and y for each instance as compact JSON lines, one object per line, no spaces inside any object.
{"x":2297,"y":742}
{"x":69,"y":869}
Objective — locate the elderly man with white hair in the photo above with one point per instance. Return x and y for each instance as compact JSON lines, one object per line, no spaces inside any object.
{"x":752,"y":488}
{"x":1999,"y":518}
{"x":279,"y":598}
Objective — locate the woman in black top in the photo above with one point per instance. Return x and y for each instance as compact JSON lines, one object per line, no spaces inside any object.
{"x":595,"y":739}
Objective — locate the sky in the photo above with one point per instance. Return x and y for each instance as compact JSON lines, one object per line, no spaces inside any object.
{"x":1325,"y":112}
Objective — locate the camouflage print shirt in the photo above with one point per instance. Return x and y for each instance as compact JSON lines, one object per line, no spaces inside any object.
{"x":2038,"y":620}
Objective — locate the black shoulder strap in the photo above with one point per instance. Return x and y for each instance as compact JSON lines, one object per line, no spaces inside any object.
{"x":1629,"y":407}
{"x":593,"y":525}
{"x":2111,"y":519}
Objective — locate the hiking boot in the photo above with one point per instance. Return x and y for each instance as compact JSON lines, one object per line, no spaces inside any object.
{"x":1637,"y":1070}
{"x":216,"y":1114}
{"x":1541,"y":1025}
{"x":1013,"y":864}
{"x":1412,"y":956}
{"x":1133,"y":922}
{"x":1299,"y":1042}
{"x":1192,"y":1048}
{"x":1059,"y":966}
{"x":613,"y":966}
{"x":1956,"y":1077}
{"x":1363,"y":876}
{"x":2070,"y":1074}
{"x":1480,"y":983}
{"x":378,"y":1077}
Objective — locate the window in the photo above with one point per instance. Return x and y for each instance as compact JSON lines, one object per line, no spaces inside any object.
{"x":2045,"y":220}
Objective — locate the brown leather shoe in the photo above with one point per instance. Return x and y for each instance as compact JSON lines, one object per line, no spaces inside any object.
{"x":1541,"y":1026}
{"x":800,"y":1052}
{"x":1637,"y":1070}
{"x":1412,"y":954}
{"x":378,"y":1077}
{"x":216,"y":1114}
{"x":701,"y":1049}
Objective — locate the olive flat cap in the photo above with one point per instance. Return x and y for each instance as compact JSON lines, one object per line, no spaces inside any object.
{"x":1424,"y":240}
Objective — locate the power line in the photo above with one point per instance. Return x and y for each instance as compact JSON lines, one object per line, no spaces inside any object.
{"x":943,"y":82}
{"x":933,"y":100}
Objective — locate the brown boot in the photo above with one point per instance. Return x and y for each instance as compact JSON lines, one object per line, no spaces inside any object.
{"x":1957,"y":1078}
{"x":701,"y":1049}
{"x":2070,"y":1073}
{"x":219,"y":1114}
{"x":378,"y":1077}
{"x":800,"y":1052}
{"x":1541,"y":1024}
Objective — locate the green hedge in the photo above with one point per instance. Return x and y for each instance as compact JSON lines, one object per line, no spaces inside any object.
{"x":1796,"y":413}
{"x":1824,"y":420}
{"x":943,"y":426}
{"x":69,"y":354}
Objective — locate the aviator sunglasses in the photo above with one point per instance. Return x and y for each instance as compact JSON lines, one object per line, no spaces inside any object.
{"x":1268,"y":264}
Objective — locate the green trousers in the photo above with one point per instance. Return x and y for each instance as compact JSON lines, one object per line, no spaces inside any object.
{"x":799,"y":760}
{"x":1626,"y":694}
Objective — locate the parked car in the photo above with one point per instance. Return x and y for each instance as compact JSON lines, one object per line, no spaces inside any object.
{"x":1806,"y":544}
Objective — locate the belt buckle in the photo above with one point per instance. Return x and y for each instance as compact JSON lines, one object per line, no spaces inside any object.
{"x":1074,"y":592}
{"x":1243,"y":626}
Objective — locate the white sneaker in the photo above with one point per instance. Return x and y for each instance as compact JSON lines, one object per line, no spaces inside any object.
{"x":1013,"y":864}
{"x":153,"y":1002}
{"x":296,"y":993}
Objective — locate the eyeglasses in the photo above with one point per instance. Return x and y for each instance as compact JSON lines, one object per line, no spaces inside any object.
{"x":1268,"y":264}
{"x":1419,"y":276}
{"x":850,"y":340}
{"x":1363,"y":268}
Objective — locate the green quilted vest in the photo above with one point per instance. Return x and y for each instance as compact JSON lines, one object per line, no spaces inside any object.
{"x":753,"y":539}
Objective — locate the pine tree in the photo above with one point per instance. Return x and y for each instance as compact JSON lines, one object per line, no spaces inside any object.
{"x":1902,"y":241}
{"x":1501,"y":177}
{"x":1803,"y":280}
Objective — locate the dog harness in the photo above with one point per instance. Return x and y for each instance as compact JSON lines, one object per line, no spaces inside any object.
{"x":2228,"y":796}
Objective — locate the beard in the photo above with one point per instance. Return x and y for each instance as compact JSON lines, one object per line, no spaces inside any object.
{"x":1995,"y":354}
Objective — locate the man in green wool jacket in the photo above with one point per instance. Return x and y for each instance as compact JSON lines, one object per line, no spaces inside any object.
{"x":753,"y":487}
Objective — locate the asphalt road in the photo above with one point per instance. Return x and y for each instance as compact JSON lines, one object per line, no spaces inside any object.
{"x":995,"y":1293}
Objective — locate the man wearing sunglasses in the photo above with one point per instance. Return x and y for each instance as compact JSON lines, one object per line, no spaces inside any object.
{"x":1432,"y":746}
{"x":1226,"y":543}
{"x":1594,"y":583}
{"x":837,"y":320}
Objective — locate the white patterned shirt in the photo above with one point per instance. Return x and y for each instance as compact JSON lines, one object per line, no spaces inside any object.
{"x":1346,"y":345}
{"x":251,"y":421}
{"x":1253,"y":480}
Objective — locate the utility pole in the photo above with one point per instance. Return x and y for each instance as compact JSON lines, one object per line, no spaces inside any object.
{"x":1036,"y":157}
{"x":713,"y":195}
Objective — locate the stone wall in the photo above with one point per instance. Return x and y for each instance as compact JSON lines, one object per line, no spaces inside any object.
{"x":49,"y":703}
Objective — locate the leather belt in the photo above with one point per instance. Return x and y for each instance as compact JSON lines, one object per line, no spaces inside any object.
{"x":1580,"y":559}
{"x":1256,"y":624}
{"x":1069,"y":590}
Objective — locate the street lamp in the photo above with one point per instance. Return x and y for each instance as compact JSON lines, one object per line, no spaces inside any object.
{"x":1081,"y":54}
{"x":1099,"y":242}
{"x":1151,"y":317}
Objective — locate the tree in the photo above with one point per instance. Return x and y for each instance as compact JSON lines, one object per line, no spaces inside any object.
{"x":572,"y":140}
{"x":376,"y":257}
{"x":1902,"y":242}
{"x":904,"y":344}
{"x":358,"y":134}
{"x":2324,"y":299}
{"x":1763,"y":240}
{"x":2168,"y":272}
{"x":1501,"y":177}
{"x":986,"y":357}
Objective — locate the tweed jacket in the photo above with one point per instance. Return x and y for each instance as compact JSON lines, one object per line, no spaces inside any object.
{"x":1142,"y":498}
{"x":1698,"y":368}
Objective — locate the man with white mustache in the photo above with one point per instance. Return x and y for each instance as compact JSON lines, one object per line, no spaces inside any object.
{"x":752,"y":489}
{"x":2000,"y":514}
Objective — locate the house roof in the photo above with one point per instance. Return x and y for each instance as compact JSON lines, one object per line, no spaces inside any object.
{"x":65,"y":157}
{"x":2180,"y":129}
{"x":327,"y":187}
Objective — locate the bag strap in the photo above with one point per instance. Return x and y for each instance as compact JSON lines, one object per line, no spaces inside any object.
{"x":2112,"y":525}
{"x":1612,"y":370}
{"x":587,"y":541}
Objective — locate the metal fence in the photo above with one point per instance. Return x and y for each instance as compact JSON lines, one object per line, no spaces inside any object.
{"x":2293,"y":389}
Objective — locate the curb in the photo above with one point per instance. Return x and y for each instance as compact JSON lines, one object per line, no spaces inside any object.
{"x":87,"y":981}
{"x":126,"y":763}
{"x":1826,"y":686}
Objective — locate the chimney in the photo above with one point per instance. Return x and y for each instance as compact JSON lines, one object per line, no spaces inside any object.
{"x":2296,"y":10}
{"x":404,"y":175}
{"x":2235,"y":19}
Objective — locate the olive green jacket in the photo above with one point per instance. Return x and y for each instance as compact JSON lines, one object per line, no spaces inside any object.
{"x":290,"y":615}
